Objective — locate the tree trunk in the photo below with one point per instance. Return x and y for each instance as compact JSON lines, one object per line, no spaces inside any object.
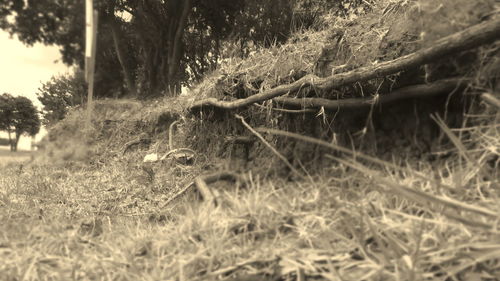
{"x":117,"y":34}
{"x":176,"y":46}
{"x":13,"y":147}
{"x":11,"y":141}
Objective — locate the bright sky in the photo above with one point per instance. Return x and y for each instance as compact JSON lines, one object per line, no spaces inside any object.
{"x":23,"y":69}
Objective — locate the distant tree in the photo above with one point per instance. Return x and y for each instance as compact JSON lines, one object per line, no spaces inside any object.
{"x":61,"y":93}
{"x":18,"y":116}
{"x":7,"y":114}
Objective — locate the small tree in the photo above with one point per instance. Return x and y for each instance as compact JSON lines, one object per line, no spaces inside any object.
{"x":60,"y":93}
{"x":18,"y":115}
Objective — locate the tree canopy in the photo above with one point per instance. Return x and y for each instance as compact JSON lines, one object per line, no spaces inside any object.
{"x":149,"y":47}
{"x":18,"y":115}
{"x":59,"y":94}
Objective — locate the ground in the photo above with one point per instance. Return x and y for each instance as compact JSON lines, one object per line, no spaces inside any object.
{"x":104,"y":216}
{"x":425,"y":207}
{"x":7,"y":157}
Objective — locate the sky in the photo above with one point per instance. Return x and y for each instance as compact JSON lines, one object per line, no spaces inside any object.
{"x":23,"y":69}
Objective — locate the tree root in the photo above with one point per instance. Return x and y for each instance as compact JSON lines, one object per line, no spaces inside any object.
{"x":417,"y":91}
{"x":472,"y":37}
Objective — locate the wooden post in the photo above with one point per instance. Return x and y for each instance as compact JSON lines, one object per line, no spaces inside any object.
{"x":90,"y":53}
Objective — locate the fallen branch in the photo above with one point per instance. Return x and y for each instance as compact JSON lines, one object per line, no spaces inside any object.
{"x":469,"y":38}
{"x":417,"y":91}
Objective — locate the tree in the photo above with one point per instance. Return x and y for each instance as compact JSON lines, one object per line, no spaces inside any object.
{"x":18,"y":115}
{"x":148,"y":46}
{"x":61,"y":93}
{"x":62,"y":23}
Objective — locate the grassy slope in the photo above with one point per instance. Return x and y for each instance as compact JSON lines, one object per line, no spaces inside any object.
{"x":88,"y":212}
{"x":75,"y":221}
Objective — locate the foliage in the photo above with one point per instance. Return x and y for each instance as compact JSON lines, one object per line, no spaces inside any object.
{"x":59,"y":94}
{"x":6,"y":109}
{"x":157,"y":45}
{"x":18,"y":115}
{"x":310,"y":13}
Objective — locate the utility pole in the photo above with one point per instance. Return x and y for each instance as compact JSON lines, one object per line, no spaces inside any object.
{"x":90,"y":52}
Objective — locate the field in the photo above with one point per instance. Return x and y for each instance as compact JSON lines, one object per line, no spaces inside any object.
{"x":7,"y":157}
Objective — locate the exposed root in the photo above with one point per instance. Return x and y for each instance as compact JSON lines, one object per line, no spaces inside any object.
{"x":469,"y":38}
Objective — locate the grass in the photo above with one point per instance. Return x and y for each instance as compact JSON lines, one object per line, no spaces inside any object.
{"x":88,"y":211}
{"x":102,"y":217}
{"x":7,"y":157}
{"x":76,"y":221}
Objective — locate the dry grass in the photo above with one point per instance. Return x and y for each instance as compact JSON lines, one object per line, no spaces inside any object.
{"x":76,"y":221}
{"x":11,"y":158}
{"x":88,"y":211}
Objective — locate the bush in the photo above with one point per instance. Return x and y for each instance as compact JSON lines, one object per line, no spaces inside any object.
{"x":59,"y":94}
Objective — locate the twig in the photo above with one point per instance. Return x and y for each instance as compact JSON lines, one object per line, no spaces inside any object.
{"x":178,"y":194}
{"x":420,"y":196}
{"x":141,"y":140}
{"x":261,"y":138}
{"x":171,"y":135}
{"x":177,"y":150}
{"x":205,"y":192}
{"x":205,"y":180}
{"x":296,"y":111}
{"x":231,"y":269}
{"x":492,"y":100}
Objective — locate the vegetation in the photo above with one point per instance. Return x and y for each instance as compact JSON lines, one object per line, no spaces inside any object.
{"x":132,"y":37}
{"x":335,"y":182}
{"x":59,"y":94}
{"x":18,"y":115}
